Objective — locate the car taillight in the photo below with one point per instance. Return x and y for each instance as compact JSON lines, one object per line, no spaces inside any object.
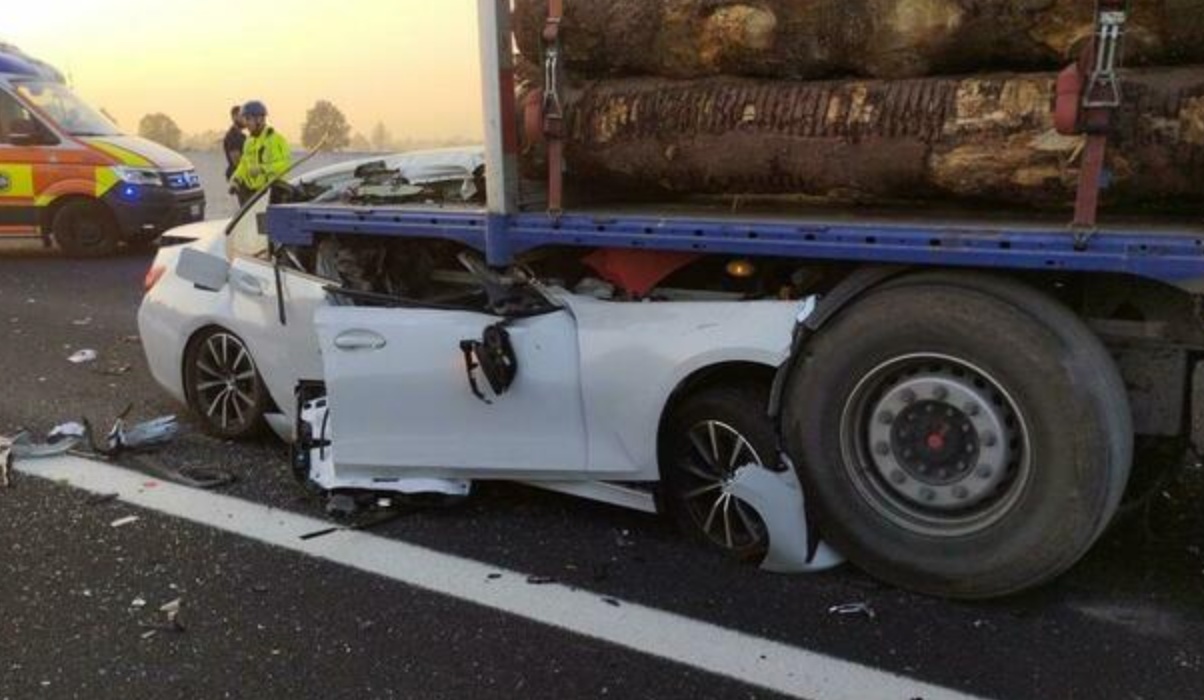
{"x":153,"y":276}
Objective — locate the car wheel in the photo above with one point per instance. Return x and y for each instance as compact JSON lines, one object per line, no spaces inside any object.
{"x":961,"y":437}
{"x":85,"y":229}
{"x":710,"y":436}
{"x":223,"y":385}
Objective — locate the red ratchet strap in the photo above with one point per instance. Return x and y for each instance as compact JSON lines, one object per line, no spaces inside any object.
{"x":1100,"y":98}
{"x":553,"y":108}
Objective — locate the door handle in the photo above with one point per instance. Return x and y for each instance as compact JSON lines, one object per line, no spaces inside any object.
{"x":248,"y":285}
{"x":360,"y":340}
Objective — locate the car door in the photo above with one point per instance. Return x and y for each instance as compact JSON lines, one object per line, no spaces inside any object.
{"x":400,"y":395}
{"x":285,"y":349}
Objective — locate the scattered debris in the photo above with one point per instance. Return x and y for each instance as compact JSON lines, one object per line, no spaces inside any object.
{"x":68,"y":430}
{"x":138,"y":603}
{"x":83,"y":357}
{"x":493,"y":577}
{"x":115,"y":370}
{"x":23,"y":446}
{"x":82,"y":322}
{"x":122,"y":522}
{"x":101,"y":499}
{"x":153,"y":433}
{"x":6,"y":461}
{"x":540,"y":580}
{"x":612,"y":602}
{"x":854,"y":609}
{"x":149,"y":633}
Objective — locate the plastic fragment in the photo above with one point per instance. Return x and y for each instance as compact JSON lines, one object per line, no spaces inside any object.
{"x":83,"y":357}
{"x":854,"y":609}
{"x":122,"y":522}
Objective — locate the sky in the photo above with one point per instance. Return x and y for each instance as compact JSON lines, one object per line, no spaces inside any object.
{"x":409,"y":64}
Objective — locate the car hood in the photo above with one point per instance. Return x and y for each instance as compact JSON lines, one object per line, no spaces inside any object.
{"x":138,"y":152}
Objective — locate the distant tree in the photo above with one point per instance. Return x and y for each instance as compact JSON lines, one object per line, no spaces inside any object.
{"x":160,"y":128}
{"x":324,"y":120}
{"x":382,"y":140}
{"x":360,"y":143}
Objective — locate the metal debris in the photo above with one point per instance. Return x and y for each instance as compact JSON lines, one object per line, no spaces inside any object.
{"x":122,"y":522}
{"x":83,"y":357}
{"x":854,"y":609}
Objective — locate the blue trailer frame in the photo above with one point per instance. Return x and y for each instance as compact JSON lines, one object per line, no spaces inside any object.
{"x":1171,"y":256}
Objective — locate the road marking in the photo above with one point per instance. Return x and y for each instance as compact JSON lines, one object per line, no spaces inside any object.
{"x":760,"y":662}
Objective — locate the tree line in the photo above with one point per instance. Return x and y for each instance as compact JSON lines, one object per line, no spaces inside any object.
{"x":324,"y":124}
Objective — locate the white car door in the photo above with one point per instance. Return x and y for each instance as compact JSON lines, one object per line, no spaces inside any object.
{"x":287,"y":352}
{"x":400,"y":395}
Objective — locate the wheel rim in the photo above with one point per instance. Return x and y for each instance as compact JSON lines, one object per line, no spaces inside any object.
{"x":936,"y":445}
{"x":87,"y":233}
{"x":717,"y":451}
{"x":227,"y":388}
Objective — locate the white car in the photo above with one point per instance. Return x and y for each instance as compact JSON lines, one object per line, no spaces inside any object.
{"x":453,"y":373}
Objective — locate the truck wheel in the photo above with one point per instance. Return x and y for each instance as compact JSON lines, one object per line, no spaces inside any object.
{"x":85,"y":229}
{"x":223,"y":386}
{"x":709,"y":437}
{"x":962,"y":436}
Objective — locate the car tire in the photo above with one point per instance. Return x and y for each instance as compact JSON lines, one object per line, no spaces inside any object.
{"x":961,"y":436}
{"x":223,"y":385}
{"x":707,"y":438}
{"x":85,"y":229}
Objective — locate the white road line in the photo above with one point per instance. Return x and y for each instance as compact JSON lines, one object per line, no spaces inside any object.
{"x":771,"y":665}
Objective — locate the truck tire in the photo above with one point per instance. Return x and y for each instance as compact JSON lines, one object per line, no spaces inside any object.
{"x":708,"y":437}
{"x":85,"y":229}
{"x":961,"y":435}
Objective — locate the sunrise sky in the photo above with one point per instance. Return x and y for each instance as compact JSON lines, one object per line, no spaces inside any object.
{"x":411,"y":64}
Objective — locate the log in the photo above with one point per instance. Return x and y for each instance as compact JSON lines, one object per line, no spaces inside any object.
{"x":810,"y":39}
{"x":984,"y":139}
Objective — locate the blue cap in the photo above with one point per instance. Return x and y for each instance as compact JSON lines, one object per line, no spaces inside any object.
{"x":254,"y":108}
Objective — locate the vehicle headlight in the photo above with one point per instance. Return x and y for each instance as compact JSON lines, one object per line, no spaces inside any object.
{"x":138,"y":176}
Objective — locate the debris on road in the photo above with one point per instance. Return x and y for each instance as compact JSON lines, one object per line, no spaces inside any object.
{"x":6,"y":461}
{"x":102,"y":499}
{"x":114,"y":370}
{"x":83,"y":357}
{"x":854,"y":609}
{"x":540,"y":580}
{"x":153,"y":433}
{"x":122,"y":522}
{"x":138,"y":603}
{"x":82,"y":322}
{"x":59,"y":442}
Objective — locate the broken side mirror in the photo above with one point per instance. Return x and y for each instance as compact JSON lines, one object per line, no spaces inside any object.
{"x":205,"y":270}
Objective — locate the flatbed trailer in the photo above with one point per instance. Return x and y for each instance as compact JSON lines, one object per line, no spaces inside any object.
{"x":1046,"y":351}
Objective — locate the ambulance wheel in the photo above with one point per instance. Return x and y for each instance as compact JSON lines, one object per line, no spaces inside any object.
{"x":85,"y":229}
{"x":709,"y":436}
{"x":960,"y":436}
{"x":223,"y":385}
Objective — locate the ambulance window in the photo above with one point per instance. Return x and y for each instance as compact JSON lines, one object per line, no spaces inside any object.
{"x":16,"y":120}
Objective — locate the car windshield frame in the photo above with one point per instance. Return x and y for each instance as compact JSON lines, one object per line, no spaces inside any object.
{"x":64,"y":108}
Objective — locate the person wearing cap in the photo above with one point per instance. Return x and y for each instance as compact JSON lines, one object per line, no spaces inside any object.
{"x":265,"y":156}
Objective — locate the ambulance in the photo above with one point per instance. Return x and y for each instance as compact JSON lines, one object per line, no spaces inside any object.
{"x":69,"y":176}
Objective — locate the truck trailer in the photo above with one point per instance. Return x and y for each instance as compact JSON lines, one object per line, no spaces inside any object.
{"x":965,"y":398}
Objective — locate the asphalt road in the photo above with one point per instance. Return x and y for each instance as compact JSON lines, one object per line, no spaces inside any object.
{"x":1128,"y":622}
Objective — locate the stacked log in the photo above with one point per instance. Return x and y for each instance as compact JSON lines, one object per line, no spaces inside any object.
{"x":661,"y":99}
{"x":808,"y":39}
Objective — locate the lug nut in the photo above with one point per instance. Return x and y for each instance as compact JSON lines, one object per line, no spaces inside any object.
{"x":985,"y":472}
{"x":961,"y":493}
{"x":886,"y":418}
{"x":898,"y":477}
{"x":972,"y":410}
{"x":882,"y":449}
{"x":908,"y":396}
{"x":990,"y":440}
{"x":940,"y":393}
{"x":928,"y":495}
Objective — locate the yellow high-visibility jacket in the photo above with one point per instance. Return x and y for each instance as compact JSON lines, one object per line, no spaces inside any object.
{"x":264,"y":157}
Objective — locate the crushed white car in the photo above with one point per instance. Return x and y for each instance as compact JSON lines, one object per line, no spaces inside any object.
{"x":412,"y":367}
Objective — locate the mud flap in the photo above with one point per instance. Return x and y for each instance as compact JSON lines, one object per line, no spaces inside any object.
{"x":794,"y":545}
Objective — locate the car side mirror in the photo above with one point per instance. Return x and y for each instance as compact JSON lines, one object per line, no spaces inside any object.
{"x":205,"y":270}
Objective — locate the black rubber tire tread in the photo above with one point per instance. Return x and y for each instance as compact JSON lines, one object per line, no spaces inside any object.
{"x":254,"y":427}
{"x":742,"y":406}
{"x":67,"y":218}
{"x":1058,"y":372}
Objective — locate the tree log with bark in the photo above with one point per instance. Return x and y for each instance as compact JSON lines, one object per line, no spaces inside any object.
{"x":808,"y":39}
{"x":988,"y":139}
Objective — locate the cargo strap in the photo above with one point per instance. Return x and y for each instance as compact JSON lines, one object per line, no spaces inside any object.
{"x":1100,"y":98}
{"x":553,"y":106}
